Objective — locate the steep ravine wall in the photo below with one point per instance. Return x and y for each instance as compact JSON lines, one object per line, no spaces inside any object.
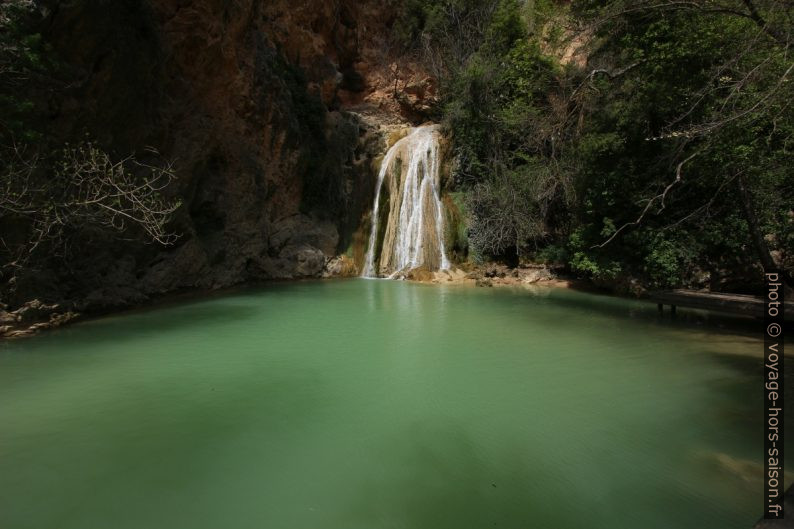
{"x":271,"y":111}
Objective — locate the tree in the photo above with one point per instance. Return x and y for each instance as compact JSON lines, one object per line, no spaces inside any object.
{"x":697,"y":98}
{"x":665,"y":157}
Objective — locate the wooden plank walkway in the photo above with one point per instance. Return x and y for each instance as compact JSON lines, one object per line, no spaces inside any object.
{"x":739,"y":304}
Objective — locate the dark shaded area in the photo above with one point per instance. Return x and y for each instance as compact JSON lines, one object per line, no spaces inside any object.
{"x":253,"y":145}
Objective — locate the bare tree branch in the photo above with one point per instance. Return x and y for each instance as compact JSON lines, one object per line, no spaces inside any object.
{"x":660,"y":198}
{"x":85,"y":189}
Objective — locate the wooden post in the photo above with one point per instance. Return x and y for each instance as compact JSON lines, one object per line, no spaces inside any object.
{"x":661,"y":308}
{"x":672,"y":310}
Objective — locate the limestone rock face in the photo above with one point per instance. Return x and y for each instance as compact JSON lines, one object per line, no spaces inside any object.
{"x":343,"y":46}
{"x":270,"y":111}
{"x":341,"y":266}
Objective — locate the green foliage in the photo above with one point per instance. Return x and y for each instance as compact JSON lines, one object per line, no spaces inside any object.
{"x":630,"y":164}
{"x":667,"y":261}
{"x":553,"y":254}
{"x":408,"y":28}
{"x":456,"y":224}
{"x":703,"y":88}
{"x":598,"y":267}
{"x":505,"y":30}
{"x":497,"y":106}
{"x":25,"y":64}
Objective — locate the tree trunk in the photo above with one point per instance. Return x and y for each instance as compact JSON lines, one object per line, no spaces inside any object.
{"x":755,"y":231}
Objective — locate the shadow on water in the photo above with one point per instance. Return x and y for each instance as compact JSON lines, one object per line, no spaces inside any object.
{"x":178,"y":457}
{"x":252,"y":302}
{"x":238,"y":433}
{"x":643,"y":310}
{"x":444,"y":482}
{"x":171,"y":313}
{"x":746,"y":380}
{"x":139,"y":323}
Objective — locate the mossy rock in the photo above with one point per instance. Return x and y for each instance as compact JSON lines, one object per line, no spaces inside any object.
{"x":456,"y":226}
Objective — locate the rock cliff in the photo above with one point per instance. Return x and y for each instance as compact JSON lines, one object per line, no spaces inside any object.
{"x":271,"y":111}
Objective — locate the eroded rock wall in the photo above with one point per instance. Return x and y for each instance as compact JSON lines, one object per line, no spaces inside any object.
{"x":271,"y":111}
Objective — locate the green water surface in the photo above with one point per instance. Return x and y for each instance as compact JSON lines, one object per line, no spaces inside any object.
{"x":366,"y":404}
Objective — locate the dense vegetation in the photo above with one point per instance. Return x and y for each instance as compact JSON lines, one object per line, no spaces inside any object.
{"x":629,"y":139}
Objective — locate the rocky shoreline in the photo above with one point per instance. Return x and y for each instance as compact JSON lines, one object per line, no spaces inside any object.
{"x":491,"y":275}
{"x":35,"y":316}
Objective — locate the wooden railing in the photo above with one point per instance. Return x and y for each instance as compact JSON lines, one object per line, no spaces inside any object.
{"x":739,"y":304}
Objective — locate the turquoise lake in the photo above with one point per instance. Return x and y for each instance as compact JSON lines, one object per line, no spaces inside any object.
{"x":369,"y":404}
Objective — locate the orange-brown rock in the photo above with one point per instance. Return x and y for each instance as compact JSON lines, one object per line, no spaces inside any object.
{"x":270,"y":111}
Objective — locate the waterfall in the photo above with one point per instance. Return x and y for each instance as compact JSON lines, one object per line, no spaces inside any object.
{"x":414,"y":234}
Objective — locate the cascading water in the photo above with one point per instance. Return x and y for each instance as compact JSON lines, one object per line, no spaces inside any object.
{"x":414,"y":235}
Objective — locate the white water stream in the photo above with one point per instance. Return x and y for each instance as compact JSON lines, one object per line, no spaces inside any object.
{"x":414,"y":234}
